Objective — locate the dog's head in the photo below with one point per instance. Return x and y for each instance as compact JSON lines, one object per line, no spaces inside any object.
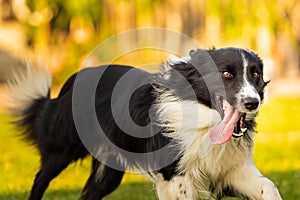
{"x":229,"y":80}
{"x":242,"y":75}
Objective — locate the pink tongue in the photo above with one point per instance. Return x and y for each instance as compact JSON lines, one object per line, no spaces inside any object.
{"x":222,"y":132}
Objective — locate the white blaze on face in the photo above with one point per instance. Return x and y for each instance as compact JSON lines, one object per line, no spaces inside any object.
{"x":247,"y":90}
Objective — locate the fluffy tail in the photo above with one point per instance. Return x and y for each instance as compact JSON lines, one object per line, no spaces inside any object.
{"x":28,"y":91}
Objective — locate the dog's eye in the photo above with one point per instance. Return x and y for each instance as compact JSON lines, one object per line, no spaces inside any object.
{"x":227,"y":74}
{"x":256,"y":75}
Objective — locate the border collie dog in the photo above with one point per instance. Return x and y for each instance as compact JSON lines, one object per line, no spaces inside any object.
{"x":189,"y":127}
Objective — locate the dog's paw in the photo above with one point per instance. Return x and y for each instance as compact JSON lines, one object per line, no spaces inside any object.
{"x":270,"y":192}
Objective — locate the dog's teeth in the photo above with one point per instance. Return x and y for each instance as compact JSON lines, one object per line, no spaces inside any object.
{"x":241,"y":121}
{"x":238,"y":134}
{"x":243,"y":130}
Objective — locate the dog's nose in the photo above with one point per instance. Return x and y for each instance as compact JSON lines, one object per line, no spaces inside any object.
{"x":251,"y":103}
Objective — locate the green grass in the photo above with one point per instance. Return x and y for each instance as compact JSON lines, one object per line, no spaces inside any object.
{"x":276,"y":155}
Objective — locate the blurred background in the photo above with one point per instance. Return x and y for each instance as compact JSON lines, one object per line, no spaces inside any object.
{"x":62,"y":33}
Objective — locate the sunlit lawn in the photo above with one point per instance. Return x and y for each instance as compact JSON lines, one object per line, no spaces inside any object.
{"x":277,"y":154}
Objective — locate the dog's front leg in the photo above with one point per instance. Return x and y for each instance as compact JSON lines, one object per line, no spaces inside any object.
{"x":178,"y":188}
{"x":248,"y":181}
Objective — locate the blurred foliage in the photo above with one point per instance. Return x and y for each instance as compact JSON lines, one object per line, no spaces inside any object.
{"x":62,"y":13}
{"x":66,"y":31}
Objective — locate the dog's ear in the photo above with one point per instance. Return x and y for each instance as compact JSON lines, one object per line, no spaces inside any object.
{"x":266,"y":83}
{"x":262,"y":91}
{"x":192,"y":52}
{"x":203,"y":61}
{"x":174,"y":60}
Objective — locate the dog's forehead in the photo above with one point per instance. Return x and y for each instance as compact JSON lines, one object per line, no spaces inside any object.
{"x":223,"y":58}
{"x":240,"y":58}
{"x":227,"y":57}
{"x":250,"y":57}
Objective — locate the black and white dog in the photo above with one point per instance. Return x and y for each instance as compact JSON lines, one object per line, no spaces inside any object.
{"x":197,"y":114}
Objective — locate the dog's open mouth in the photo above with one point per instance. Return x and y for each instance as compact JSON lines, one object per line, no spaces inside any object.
{"x":232,"y":125}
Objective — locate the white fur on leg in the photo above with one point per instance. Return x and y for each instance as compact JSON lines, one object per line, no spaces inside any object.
{"x":270,"y":191}
{"x":249,"y":181}
{"x":178,"y":188}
